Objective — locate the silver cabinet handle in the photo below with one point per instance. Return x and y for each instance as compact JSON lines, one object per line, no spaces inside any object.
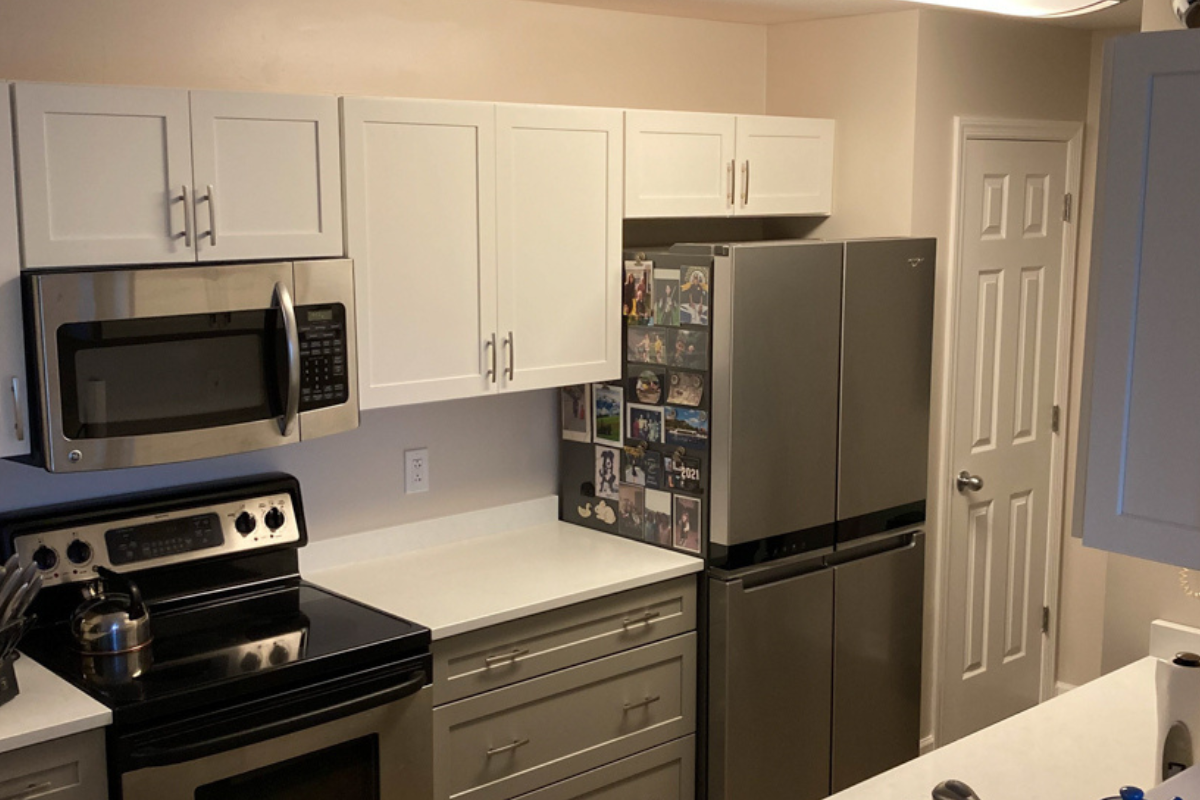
{"x":29,"y":791}
{"x":187,"y":216}
{"x":212,"y":216}
{"x":507,"y":748}
{"x":966,"y":482}
{"x":283,"y":298}
{"x":641,"y":703}
{"x":510,"y":346}
{"x":504,"y":659}
{"x":746,"y":183}
{"x":732,"y":169}
{"x":644,"y":619}
{"x":18,"y":420}
{"x":490,"y":350}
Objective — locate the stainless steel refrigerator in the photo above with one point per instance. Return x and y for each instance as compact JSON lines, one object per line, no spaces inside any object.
{"x":813,"y":503}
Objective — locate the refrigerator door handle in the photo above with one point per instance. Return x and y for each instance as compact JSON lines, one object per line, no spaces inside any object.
{"x":882,"y":543}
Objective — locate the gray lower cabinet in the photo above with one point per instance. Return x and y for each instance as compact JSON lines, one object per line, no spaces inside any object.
{"x":597,"y":700}
{"x":667,"y":772}
{"x":70,"y":768}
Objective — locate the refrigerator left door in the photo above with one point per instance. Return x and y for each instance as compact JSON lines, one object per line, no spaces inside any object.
{"x":14,"y":403}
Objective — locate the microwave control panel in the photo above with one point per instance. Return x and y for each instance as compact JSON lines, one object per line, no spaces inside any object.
{"x":324,"y":377}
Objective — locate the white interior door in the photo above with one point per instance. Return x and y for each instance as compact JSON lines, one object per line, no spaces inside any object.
{"x":679,"y":164}
{"x":1005,"y":374}
{"x":558,"y":177}
{"x":267,"y":174}
{"x":421,"y":210}
{"x":103,"y":175}
{"x":14,"y":404}
{"x":785,"y":165}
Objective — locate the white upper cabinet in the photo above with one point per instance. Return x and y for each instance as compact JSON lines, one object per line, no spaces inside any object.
{"x":1140,"y":427}
{"x":785,"y":166}
{"x":420,"y":217}
{"x":267,"y":176}
{"x":14,"y":407}
{"x":679,"y":164}
{"x":559,"y":191}
{"x":104,"y":173}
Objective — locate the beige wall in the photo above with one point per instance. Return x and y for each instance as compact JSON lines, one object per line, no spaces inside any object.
{"x":862,"y":72}
{"x":508,"y":50}
{"x":1157,"y":15}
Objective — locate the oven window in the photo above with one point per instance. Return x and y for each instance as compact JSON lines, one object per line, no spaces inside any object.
{"x":348,"y":771}
{"x":167,"y":374}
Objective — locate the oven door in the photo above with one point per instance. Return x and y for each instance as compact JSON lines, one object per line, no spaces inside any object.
{"x":376,"y":746}
{"x":152,"y":366}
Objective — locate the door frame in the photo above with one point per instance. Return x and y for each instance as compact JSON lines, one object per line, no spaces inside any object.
{"x":967,"y":129}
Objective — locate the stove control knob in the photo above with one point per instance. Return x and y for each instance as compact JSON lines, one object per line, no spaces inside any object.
{"x":245,"y":523}
{"x":279,"y":655}
{"x":45,"y":558}
{"x":274,"y":519}
{"x":251,"y":661}
{"x":79,"y":552}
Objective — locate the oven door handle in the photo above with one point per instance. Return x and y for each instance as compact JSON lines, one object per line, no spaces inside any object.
{"x":283,"y":298}
{"x":151,"y":756}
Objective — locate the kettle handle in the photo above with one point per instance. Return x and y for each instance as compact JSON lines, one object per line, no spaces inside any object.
{"x":137,"y":608}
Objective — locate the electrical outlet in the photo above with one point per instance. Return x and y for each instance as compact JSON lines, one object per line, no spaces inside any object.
{"x":416,"y":470}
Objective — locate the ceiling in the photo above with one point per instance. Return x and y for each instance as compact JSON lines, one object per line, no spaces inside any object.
{"x":770,"y":12}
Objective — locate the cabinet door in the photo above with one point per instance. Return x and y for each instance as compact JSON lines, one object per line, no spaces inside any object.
{"x":104,"y":172}
{"x":421,"y":206}
{"x":268,"y":182}
{"x":14,"y":408}
{"x":559,"y":183}
{"x":785,"y":166}
{"x":679,"y":164}
{"x":1142,"y":433}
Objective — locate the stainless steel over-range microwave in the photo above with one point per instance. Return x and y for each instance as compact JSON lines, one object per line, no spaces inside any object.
{"x":141,"y":366}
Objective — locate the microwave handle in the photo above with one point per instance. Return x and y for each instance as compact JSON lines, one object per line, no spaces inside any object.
{"x":292,"y":405}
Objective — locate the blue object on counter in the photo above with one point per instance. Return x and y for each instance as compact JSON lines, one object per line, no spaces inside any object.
{"x":1129,"y":793}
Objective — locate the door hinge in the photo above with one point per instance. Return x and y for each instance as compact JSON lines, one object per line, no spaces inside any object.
{"x":1046,"y":620}
{"x":1055,"y":419}
{"x":1068,"y":202}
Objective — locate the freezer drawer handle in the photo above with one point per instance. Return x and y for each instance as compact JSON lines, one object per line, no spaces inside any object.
{"x":507,"y":748}
{"x":642,"y":703}
{"x":504,"y":659}
{"x":645,"y":619}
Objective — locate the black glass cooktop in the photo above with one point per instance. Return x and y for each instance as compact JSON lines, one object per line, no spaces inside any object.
{"x":236,"y":648}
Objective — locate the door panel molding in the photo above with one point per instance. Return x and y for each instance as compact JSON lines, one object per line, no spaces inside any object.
{"x":946,"y":665}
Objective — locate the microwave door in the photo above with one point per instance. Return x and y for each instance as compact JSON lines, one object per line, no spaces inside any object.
{"x":152,"y":366}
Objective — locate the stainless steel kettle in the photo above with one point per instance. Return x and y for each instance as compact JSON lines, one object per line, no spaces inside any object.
{"x":112,"y":620}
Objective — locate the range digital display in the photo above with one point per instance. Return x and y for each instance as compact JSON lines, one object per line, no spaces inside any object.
{"x":160,"y":539}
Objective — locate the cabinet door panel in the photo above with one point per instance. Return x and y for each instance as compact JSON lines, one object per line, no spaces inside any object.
{"x":420,"y":199}
{"x":785,"y":165}
{"x":1141,"y":435}
{"x":14,"y":408}
{"x":559,"y":244}
{"x":102,"y":174}
{"x":273,"y":163}
{"x":679,"y":164}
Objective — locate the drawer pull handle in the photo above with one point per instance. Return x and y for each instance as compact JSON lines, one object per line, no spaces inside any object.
{"x":507,"y":748}
{"x":641,"y":703}
{"x":504,"y":659}
{"x":644,"y":619}
{"x":30,"y":791}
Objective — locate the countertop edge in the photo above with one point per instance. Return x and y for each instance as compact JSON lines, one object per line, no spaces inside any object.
{"x":49,"y":733}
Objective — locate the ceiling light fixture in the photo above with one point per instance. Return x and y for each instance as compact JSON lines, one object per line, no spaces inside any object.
{"x":1028,"y":8}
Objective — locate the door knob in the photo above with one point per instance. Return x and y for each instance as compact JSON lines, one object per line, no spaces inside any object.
{"x":968,"y":483}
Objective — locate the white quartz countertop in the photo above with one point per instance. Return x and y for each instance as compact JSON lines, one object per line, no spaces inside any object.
{"x":1084,"y":745}
{"x":486,"y":580}
{"x":47,"y":708}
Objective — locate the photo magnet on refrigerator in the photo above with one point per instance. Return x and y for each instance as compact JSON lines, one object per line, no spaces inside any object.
{"x":637,"y":297}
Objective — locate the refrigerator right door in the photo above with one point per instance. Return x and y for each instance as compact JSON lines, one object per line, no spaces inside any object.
{"x":887,"y":353}
{"x":877,"y":636}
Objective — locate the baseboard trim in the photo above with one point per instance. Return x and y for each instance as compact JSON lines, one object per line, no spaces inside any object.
{"x":928,"y":744}
{"x":1061,"y":688}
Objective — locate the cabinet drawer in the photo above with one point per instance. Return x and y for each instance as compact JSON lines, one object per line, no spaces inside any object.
{"x":522,"y":737}
{"x":504,"y":654}
{"x":71,"y":768}
{"x":663,"y":773}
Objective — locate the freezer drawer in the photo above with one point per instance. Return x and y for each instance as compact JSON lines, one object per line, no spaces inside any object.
{"x":770,"y":679}
{"x":878,"y":601}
